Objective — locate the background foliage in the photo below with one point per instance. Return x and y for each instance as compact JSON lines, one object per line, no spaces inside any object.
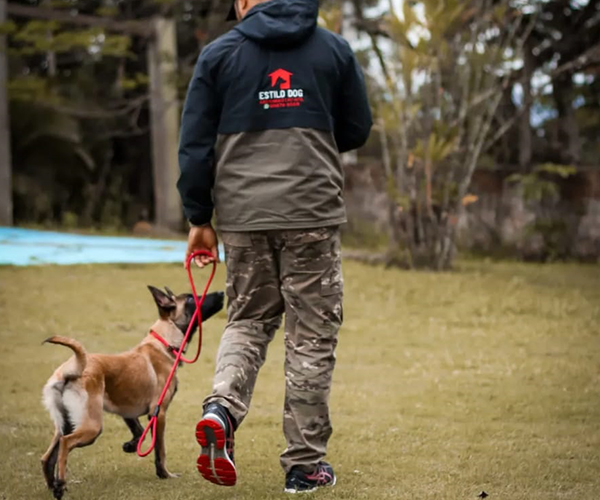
{"x":455,"y":86}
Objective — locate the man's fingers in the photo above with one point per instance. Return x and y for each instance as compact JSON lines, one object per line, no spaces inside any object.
{"x":201,"y":260}
{"x":215,"y":252}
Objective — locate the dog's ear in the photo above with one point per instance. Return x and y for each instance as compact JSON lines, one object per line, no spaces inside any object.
{"x":171,"y":294}
{"x":163,"y":301}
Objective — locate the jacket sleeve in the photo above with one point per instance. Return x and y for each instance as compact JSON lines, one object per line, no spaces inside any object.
{"x":353,"y":121}
{"x":199,"y":125}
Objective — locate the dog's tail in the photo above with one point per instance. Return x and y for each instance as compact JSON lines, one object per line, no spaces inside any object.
{"x":76,"y":347}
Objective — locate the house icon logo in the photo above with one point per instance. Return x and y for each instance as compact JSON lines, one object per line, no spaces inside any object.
{"x":284,"y":76}
{"x":281,"y":95}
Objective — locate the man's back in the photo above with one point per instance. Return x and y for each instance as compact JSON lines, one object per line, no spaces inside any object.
{"x":285,"y":97}
{"x":270,"y":107}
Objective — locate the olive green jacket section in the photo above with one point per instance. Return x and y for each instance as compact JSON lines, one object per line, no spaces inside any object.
{"x":278,"y":179}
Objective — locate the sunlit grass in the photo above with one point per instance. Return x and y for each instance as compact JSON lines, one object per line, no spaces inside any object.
{"x":487,"y":378}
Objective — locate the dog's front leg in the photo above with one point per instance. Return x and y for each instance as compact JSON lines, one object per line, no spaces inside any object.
{"x":136,"y":430}
{"x":160,"y":456}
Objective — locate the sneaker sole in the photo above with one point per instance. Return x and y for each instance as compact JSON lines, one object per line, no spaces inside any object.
{"x":312,"y":490}
{"x":214,"y":463}
{"x":298,"y":492}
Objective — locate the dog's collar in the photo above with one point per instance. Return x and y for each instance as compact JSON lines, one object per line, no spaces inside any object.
{"x":169,"y":347}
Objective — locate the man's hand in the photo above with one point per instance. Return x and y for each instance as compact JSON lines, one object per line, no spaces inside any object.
{"x":203,"y":238}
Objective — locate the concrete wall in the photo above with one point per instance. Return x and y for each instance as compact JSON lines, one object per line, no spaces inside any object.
{"x":501,"y":222}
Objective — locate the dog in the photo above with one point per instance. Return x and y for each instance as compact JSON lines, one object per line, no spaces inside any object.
{"x":127,"y":384}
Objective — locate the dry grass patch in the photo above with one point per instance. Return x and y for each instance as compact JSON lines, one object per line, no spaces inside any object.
{"x":446,"y":385}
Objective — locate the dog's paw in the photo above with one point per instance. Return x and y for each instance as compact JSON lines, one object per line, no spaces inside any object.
{"x":59,"y":489}
{"x":130,"y":446}
{"x":49,"y":477}
{"x":165,"y":474}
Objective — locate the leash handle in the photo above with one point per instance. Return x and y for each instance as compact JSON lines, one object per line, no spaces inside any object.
{"x":199,"y":302}
{"x":151,"y":426}
{"x":179,"y":357}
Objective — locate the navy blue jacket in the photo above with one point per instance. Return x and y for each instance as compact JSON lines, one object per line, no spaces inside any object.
{"x":275,"y":70}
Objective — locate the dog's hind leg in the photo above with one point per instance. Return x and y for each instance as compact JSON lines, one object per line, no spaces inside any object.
{"x":49,"y":460}
{"x":87,"y":428}
{"x":83,"y":436}
{"x":136,"y":430}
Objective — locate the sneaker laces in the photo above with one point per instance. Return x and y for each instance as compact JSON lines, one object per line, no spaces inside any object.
{"x":230,"y":438}
{"x":321,"y":476}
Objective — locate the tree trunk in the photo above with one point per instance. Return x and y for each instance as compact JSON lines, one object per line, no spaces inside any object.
{"x":6,"y":207}
{"x":444,"y":256}
{"x":50,"y":55}
{"x":428,"y":186}
{"x":525,"y":136}
{"x":164,"y":112}
{"x":387,"y":167}
{"x":97,"y":190}
{"x":568,"y":129}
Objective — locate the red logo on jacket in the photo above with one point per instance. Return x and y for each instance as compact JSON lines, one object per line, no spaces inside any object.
{"x":286,"y":96}
{"x":281,"y":74}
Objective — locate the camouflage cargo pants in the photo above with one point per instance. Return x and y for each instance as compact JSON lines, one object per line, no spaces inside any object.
{"x":270,"y":273}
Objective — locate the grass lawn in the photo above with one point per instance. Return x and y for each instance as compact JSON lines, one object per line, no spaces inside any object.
{"x":446,"y":385}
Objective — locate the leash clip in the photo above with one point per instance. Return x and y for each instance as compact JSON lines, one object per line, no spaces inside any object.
{"x":155,"y":412}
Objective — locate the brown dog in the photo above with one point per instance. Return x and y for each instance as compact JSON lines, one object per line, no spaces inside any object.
{"x":127,"y":384}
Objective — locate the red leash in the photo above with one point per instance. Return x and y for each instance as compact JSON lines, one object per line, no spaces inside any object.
{"x":179,"y":354}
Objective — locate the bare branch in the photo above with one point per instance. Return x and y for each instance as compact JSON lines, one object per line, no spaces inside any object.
{"x":505,"y":127}
{"x":588,"y":58}
{"x":385,"y":149}
{"x":93,"y":114}
{"x":142,"y":28}
{"x":476,"y":152}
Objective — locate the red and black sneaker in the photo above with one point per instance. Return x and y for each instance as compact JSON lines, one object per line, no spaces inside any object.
{"x":215,"y":434}
{"x":298,"y":481}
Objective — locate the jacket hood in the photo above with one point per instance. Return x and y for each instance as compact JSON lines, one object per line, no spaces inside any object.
{"x":281,"y":22}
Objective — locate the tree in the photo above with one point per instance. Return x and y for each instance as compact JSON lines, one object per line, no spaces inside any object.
{"x":6,"y":209}
{"x":564,"y":42}
{"x":444,"y":78}
{"x":568,"y":35}
{"x":93,"y":68}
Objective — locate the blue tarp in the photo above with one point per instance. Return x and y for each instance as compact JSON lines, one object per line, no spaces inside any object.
{"x":25,"y":247}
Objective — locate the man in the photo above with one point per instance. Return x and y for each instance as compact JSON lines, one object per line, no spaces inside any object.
{"x":270,"y":106}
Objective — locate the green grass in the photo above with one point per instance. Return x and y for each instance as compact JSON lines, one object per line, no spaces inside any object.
{"x":446,"y":385}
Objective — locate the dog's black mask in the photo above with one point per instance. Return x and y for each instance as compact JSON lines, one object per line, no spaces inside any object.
{"x":212,"y":304}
